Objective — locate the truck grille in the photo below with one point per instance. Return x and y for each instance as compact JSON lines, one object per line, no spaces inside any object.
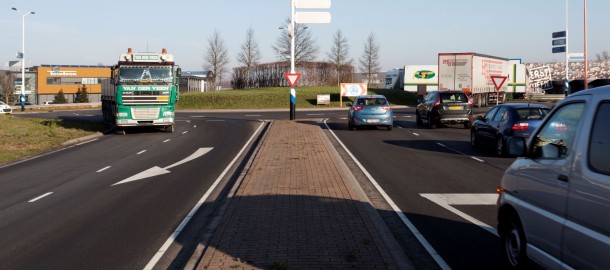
{"x":145,"y":113}
{"x":145,"y":100}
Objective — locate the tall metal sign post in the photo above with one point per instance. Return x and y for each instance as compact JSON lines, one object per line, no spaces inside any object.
{"x":302,"y":17}
{"x":560,"y":45}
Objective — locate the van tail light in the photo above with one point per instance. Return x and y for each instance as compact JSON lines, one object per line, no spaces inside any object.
{"x":499,"y":190}
{"x":387,"y":108}
{"x":520,"y":126}
{"x":358,"y":108}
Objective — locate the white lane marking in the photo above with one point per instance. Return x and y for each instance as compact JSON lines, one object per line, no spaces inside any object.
{"x":407,"y":116}
{"x":185,"y":132}
{"x":87,"y":142}
{"x":103,"y":169}
{"x":415,"y":134}
{"x":40,"y":197}
{"x":344,"y":118}
{"x":141,"y":152}
{"x":188,"y":217}
{"x":167,"y":140}
{"x":154,"y":171}
{"x":448,"y":199}
{"x":198,"y":116}
{"x":195,"y":126}
{"x":314,"y":114}
{"x":475,"y":158}
{"x":215,"y":120}
{"x":437,"y":257}
{"x":252,"y":115}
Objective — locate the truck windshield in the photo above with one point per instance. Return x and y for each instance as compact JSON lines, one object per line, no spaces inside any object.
{"x":145,"y":75}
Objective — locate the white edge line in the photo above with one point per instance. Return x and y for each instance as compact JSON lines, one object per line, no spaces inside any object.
{"x":87,"y":142}
{"x":188,"y":217}
{"x":40,"y":197}
{"x":103,"y":169}
{"x":437,"y":257}
{"x":438,"y":200}
{"x":475,"y":158}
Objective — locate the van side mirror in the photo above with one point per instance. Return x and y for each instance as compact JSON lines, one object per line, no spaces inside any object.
{"x":480,"y":118}
{"x":517,"y":147}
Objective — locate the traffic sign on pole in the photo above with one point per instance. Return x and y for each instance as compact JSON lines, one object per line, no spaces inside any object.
{"x":498,"y":81}
{"x":312,"y":4}
{"x":292,"y":78}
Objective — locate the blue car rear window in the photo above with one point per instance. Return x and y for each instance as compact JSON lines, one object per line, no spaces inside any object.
{"x":532,"y":113}
{"x":372,"y":101}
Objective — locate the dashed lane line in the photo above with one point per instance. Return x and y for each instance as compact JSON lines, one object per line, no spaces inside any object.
{"x":40,"y":197}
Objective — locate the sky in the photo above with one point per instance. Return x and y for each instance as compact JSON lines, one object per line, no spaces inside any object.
{"x":409,"y":32}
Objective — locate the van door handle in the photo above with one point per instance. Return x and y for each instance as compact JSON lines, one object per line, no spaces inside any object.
{"x":562,"y":178}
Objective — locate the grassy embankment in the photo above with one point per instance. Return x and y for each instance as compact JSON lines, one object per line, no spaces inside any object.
{"x":279,"y":97}
{"x":22,"y":137}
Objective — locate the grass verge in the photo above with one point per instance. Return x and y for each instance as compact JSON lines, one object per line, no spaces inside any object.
{"x":23,"y":137}
{"x":279,"y":97}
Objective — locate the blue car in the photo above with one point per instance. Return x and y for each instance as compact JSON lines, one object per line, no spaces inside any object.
{"x":373,"y":110}
{"x":505,"y":121}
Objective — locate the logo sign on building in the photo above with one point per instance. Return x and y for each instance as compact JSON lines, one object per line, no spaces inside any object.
{"x":353,"y":89}
{"x":539,"y":78}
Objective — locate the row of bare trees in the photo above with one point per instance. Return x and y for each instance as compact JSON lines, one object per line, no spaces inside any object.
{"x":337,"y":67}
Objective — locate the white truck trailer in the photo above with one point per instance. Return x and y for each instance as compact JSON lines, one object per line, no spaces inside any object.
{"x":472,"y":73}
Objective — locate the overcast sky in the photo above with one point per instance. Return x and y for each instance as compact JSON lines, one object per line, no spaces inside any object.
{"x":84,"y":32}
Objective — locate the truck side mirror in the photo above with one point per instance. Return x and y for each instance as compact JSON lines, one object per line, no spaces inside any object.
{"x":179,"y":72}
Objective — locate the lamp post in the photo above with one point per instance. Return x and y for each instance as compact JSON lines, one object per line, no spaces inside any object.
{"x":23,"y":49}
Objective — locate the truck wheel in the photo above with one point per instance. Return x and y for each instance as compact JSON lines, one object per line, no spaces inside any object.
{"x":120,"y":131}
{"x":169,"y":129}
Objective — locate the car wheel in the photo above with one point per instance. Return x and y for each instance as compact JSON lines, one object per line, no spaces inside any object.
{"x":514,"y":242}
{"x":431,"y":124}
{"x":474,"y":140}
{"x":351,"y":126}
{"x":500,"y":148}
{"x":418,"y":120}
{"x":389,"y":127}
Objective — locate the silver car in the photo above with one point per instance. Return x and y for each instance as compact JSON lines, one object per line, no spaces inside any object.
{"x":554,"y":204}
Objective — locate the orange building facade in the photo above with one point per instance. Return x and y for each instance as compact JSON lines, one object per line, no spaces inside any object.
{"x":69,"y":78}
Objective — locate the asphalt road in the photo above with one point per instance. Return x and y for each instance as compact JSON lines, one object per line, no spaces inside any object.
{"x":432,"y":177}
{"x":113,"y":202}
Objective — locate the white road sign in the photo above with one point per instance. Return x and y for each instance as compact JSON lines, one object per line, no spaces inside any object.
{"x":312,"y":17}
{"x":313,"y":4}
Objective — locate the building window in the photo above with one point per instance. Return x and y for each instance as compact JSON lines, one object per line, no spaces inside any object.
{"x":63,"y":80}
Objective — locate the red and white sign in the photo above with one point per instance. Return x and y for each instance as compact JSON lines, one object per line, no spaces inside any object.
{"x":498,"y":81}
{"x":292,"y":78}
{"x":353,"y":89}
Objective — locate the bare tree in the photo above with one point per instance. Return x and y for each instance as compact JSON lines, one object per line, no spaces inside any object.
{"x":217,"y":57}
{"x":603,"y":56}
{"x":339,"y":53}
{"x":369,"y":61}
{"x":249,"y":55}
{"x":305,"y":49}
{"x":6,"y":87}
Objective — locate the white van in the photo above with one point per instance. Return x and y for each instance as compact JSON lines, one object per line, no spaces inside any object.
{"x":554,"y":204}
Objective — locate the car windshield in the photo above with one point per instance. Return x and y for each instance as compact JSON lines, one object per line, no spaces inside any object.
{"x":372,"y":101}
{"x":453,"y":98}
{"x":2,"y":103}
{"x":151,"y":74}
{"x":532,"y":113}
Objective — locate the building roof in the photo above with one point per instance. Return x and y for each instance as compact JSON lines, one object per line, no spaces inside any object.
{"x":196,"y":74}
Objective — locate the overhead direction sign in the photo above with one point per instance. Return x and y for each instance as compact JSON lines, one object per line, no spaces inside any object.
{"x":292,"y":78}
{"x":312,"y":17}
{"x":313,"y":4}
{"x":498,"y":81}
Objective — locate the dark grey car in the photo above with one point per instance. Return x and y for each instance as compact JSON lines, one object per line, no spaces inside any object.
{"x":444,"y":107}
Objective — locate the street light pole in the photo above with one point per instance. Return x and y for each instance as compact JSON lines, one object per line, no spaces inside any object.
{"x":23,"y":48}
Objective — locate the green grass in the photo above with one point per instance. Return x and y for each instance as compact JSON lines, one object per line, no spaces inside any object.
{"x":22,"y":137}
{"x":279,"y":97}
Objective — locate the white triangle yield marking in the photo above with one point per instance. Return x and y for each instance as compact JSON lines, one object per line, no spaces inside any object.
{"x":446,"y":200}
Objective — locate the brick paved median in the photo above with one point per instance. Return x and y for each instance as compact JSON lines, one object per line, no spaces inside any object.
{"x":297,"y":208}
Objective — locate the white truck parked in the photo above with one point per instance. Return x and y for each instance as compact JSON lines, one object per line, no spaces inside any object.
{"x":472,"y":73}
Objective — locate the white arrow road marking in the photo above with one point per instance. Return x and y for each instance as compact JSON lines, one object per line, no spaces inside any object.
{"x":154,"y":171}
{"x":448,"y":199}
